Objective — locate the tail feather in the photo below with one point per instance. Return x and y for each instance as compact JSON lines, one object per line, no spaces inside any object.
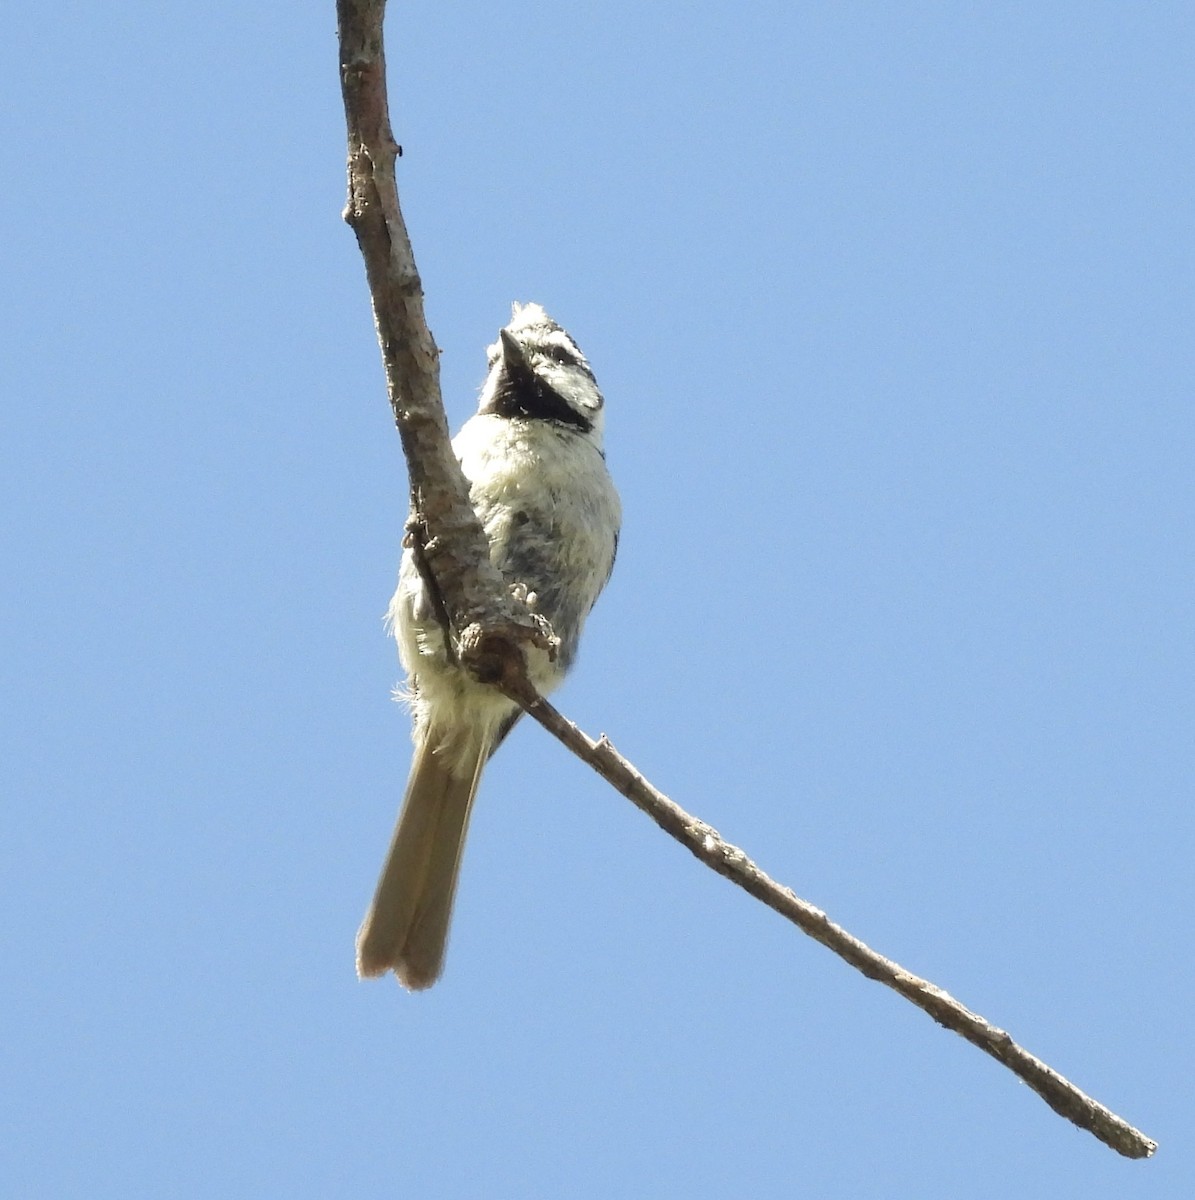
{"x":406,"y":928}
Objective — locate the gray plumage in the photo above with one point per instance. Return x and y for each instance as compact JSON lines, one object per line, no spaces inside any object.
{"x":538,"y":481}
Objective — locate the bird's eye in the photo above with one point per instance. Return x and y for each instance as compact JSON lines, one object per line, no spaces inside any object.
{"x":560,"y":354}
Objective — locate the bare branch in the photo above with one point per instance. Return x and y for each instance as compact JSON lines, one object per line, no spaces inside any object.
{"x":454,"y":557}
{"x":705,"y":843}
{"x":491,"y":630}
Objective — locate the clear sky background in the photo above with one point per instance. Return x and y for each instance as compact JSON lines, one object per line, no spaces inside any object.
{"x":893,"y":309}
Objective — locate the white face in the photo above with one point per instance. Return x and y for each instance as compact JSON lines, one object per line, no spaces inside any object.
{"x":562,"y":390}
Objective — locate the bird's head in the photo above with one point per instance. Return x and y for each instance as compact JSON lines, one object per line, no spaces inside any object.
{"x":537,"y":372}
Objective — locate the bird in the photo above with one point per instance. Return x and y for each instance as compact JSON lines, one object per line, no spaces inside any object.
{"x":533,"y":457}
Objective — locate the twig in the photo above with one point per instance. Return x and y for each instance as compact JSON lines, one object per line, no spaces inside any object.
{"x":489,"y":626}
{"x":705,"y":843}
{"x":477,"y":602}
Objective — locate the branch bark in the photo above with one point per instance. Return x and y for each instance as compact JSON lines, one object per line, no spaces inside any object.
{"x":706,"y":844}
{"x":490,"y":630}
{"x":488,"y":627}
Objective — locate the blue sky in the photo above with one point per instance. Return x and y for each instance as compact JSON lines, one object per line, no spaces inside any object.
{"x":893,"y":309}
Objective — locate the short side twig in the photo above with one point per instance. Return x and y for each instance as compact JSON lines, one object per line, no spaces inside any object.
{"x":706,"y":844}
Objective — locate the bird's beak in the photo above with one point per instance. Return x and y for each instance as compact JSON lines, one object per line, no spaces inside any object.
{"x":513,"y":359}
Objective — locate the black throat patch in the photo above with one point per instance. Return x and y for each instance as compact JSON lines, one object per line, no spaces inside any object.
{"x":525,"y":394}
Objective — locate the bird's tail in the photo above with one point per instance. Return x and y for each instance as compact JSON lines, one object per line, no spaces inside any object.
{"x":406,"y":928}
